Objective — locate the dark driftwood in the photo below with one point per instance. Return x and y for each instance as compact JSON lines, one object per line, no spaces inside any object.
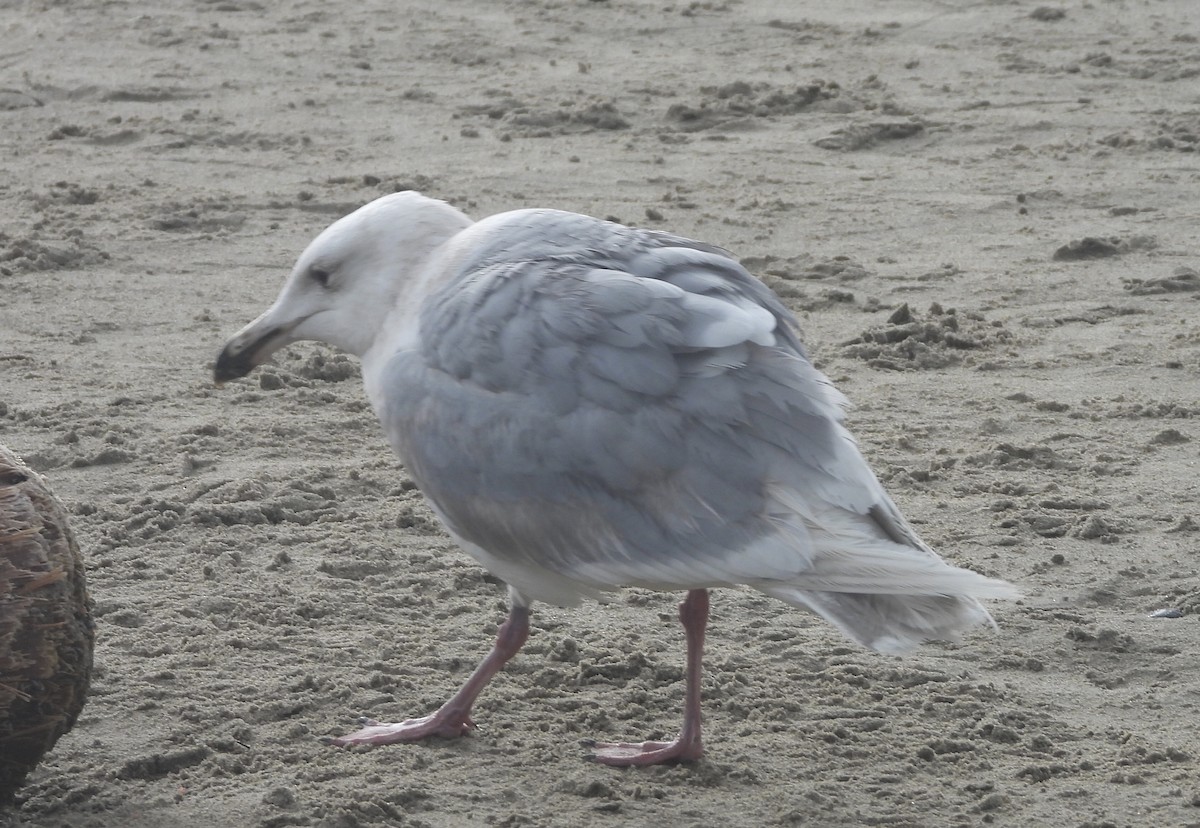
{"x":46,"y":631}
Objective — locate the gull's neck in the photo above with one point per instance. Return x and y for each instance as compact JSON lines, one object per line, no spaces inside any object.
{"x":401,"y":329}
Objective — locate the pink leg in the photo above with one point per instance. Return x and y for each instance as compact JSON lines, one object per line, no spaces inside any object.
{"x":454,"y":717}
{"x":693,"y":612}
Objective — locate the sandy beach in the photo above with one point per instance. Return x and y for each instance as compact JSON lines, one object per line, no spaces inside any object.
{"x":984,"y":215}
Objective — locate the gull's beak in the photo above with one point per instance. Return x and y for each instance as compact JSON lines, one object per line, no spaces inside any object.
{"x":251,"y":347}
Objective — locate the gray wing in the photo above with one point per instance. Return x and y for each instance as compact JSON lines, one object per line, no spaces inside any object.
{"x":622,"y":407}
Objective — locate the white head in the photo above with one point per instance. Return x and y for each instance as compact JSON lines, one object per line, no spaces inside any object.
{"x":347,"y":281}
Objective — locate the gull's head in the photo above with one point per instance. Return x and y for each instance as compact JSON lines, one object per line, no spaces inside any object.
{"x":347,"y":281}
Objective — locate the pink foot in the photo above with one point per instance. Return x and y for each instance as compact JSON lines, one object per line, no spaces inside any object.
{"x":453,"y":718}
{"x":638,"y":754}
{"x":410,"y":730}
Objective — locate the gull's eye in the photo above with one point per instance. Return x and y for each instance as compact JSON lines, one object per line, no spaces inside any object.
{"x":319,"y":275}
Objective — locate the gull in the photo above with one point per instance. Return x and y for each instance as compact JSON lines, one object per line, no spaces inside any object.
{"x":588,"y":406}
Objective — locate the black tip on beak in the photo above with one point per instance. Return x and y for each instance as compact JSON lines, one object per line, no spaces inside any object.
{"x":237,"y":359}
{"x":231,"y":365}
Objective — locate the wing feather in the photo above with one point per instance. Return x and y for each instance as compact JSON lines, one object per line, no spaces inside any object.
{"x":601,"y":406}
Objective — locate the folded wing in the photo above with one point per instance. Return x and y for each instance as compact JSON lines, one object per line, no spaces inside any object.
{"x":594,"y":406}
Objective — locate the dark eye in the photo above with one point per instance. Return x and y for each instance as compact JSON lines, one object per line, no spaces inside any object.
{"x":319,"y":275}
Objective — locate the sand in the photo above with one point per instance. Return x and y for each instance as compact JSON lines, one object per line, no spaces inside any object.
{"x":983,"y":213}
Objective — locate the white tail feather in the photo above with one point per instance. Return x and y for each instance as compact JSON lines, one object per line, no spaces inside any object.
{"x":889,"y":623}
{"x":886,"y":595}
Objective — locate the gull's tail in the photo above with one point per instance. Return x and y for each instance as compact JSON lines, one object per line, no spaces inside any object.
{"x":895,"y":623}
{"x":876,"y":581}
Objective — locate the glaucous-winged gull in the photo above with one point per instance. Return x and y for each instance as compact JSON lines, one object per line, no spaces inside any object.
{"x":588,"y":406}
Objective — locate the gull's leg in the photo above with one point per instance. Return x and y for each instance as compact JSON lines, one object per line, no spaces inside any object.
{"x":693,"y":613}
{"x":454,"y":717}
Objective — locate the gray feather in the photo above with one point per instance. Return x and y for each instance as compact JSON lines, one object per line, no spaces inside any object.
{"x":591,"y":406}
